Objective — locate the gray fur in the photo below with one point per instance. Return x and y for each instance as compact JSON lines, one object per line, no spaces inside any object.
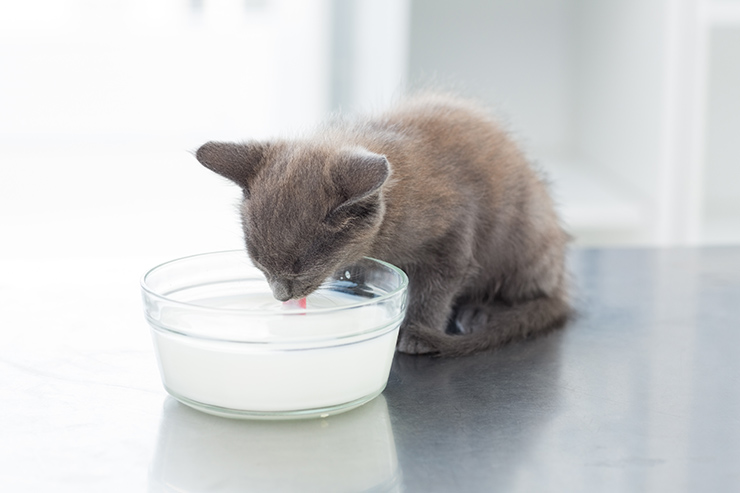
{"x":433,"y":186}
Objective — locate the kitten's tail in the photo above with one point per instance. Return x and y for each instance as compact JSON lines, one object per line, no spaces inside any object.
{"x":478,"y":326}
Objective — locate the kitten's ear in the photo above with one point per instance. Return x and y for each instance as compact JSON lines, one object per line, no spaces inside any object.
{"x":359,"y":175}
{"x":239,"y":163}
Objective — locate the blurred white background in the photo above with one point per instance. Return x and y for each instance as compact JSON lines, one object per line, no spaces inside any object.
{"x":631,"y":107}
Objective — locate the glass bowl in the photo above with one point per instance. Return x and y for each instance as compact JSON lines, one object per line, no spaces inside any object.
{"x":225,"y":346}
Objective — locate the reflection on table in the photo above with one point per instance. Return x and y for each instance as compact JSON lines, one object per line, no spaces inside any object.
{"x":354,"y":451}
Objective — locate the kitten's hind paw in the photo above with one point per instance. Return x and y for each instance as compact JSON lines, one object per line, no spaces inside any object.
{"x":468,"y":319}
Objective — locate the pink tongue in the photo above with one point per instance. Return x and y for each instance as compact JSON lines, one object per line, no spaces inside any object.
{"x":295,"y":303}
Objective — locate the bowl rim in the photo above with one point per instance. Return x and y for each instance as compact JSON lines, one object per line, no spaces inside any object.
{"x":403,"y":286}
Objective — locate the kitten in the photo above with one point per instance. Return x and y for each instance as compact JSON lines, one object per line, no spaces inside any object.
{"x":433,"y":186}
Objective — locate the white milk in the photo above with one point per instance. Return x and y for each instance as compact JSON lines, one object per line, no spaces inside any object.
{"x":322,"y":360}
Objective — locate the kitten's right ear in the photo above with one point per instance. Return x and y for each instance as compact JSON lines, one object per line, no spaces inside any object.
{"x":360,"y":174}
{"x":239,"y":163}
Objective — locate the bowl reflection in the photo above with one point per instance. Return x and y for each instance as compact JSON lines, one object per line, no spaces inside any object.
{"x":354,"y":451}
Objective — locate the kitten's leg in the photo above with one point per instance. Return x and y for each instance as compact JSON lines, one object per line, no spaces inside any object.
{"x":435,"y":282}
{"x":431,"y":296}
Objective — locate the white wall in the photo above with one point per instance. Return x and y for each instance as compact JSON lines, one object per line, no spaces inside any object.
{"x":102,"y":103}
{"x":618,"y":82}
{"x":369,"y":53}
{"x":515,"y":55}
{"x":144,"y":71}
{"x":722,"y":178}
{"x":610,"y":98}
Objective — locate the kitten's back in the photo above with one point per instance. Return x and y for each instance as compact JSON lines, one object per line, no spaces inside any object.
{"x":462,"y":189}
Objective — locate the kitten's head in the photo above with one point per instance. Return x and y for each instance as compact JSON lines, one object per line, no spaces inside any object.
{"x":308,"y":209}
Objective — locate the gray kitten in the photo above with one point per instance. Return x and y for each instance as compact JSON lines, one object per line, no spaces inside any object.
{"x":433,"y":186}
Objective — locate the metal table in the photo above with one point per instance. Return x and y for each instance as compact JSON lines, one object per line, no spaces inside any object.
{"x":640,"y":393}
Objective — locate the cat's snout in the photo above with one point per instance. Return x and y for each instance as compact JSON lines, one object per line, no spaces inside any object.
{"x":281,"y":289}
{"x":287,"y":289}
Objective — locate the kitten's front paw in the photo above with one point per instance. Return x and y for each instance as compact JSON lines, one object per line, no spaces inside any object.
{"x":411,"y":344}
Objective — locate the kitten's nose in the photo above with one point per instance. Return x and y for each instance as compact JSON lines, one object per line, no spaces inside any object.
{"x":281,"y":289}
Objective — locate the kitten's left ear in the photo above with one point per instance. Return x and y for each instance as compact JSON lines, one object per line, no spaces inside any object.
{"x":239,"y":163}
{"x":359,"y":175}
